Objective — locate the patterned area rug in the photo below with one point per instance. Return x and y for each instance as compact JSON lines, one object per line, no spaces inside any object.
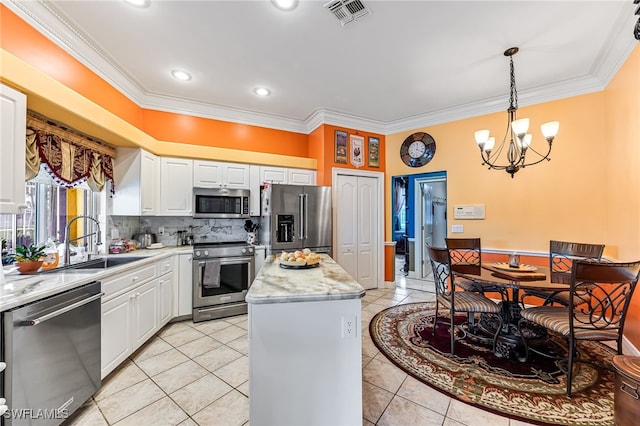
{"x":532,"y":391}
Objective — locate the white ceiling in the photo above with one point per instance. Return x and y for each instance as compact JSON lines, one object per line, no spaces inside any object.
{"x":405,"y":65}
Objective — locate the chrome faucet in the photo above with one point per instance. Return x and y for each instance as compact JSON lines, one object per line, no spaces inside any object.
{"x":67,"y":251}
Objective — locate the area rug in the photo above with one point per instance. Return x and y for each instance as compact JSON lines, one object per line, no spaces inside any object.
{"x":532,"y":391}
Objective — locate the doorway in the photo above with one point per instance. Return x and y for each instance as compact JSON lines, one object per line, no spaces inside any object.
{"x":358,"y":219}
{"x":419,"y":215}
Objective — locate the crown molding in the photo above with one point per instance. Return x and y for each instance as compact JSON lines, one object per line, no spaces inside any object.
{"x":44,"y":18}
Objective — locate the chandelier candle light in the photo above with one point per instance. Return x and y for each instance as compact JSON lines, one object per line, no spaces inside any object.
{"x":519,"y":139}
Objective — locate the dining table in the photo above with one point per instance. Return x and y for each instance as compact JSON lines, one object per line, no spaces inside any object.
{"x":507,"y":282}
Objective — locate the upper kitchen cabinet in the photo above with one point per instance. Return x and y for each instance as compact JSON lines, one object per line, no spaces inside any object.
{"x":13,"y":125}
{"x":176,"y":187}
{"x":136,"y":174}
{"x":273,"y":174}
{"x":301,"y":177}
{"x":216,"y":174}
{"x":287,"y":176}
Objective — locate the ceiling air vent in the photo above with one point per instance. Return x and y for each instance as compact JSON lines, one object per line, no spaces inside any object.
{"x":347,"y":11}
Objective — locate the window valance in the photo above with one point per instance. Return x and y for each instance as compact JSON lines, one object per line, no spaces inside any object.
{"x":67,"y":155}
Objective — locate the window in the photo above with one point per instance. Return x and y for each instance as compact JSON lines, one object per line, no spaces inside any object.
{"x":49,"y":207}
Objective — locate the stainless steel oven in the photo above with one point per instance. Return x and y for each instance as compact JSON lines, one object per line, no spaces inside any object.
{"x":222,"y":274}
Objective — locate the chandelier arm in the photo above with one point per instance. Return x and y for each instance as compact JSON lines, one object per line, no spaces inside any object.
{"x":517,"y":148}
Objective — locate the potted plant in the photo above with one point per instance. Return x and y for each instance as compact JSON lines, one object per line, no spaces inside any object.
{"x":29,"y":258}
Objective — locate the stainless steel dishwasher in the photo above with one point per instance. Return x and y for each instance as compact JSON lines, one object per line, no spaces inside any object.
{"x":52,"y":351}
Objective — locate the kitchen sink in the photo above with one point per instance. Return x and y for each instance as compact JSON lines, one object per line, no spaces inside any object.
{"x":105,"y":262}
{"x":99,"y":263}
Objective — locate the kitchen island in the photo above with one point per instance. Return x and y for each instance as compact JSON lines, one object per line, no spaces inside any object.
{"x":305,"y":346}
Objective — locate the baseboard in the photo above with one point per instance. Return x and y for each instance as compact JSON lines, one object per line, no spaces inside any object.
{"x":388,"y":285}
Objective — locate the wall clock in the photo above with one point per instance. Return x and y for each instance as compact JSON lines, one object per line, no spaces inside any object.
{"x":418,"y":149}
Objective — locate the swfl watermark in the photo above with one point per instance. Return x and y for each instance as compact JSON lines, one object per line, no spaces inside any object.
{"x":36,"y":414}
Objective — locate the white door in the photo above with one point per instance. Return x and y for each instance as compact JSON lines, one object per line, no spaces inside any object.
{"x":357,"y":228}
{"x":432,"y":219}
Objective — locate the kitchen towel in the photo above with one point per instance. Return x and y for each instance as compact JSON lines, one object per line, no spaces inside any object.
{"x":211,"y":274}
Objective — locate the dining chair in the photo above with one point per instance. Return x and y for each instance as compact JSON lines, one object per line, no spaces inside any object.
{"x":561,"y":257}
{"x":465,"y":255}
{"x":457,"y":301}
{"x":609,"y":287}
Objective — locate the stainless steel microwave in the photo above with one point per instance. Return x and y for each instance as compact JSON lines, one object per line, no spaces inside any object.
{"x":220,"y":203}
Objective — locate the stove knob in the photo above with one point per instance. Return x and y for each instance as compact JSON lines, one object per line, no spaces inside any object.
{"x":244,"y":251}
{"x":250,"y":249}
{"x":197,"y":253}
{"x":206,"y":252}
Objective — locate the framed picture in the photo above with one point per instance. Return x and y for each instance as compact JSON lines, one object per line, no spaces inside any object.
{"x":357,"y":150}
{"x":374,"y":152}
{"x":341,"y":147}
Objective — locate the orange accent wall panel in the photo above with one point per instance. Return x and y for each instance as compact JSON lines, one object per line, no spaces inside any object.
{"x":329,"y":134}
{"x":23,"y":41}
{"x":182,"y":128}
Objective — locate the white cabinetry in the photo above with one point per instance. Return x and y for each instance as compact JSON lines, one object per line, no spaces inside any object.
{"x":13,"y":124}
{"x":183,"y":293}
{"x":136,"y":174}
{"x":259,"y":256}
{"x":116,"y":332}
{"x":274,"y":174}
{"x":254,"y":186}
{"x":216,"y":174}
{"x":137,"y":303}
{"x":176,"y":186}
{"x":301,"y":177}
{"x":287,"y":176}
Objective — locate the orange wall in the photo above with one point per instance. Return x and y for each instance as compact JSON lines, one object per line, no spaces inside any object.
{"x":588,"y":192}
{"x":622,"y":102}
{"x":328,"y":135}
{"x":20,"y":39}
{"x":563,"y":199}
{"x":182,"y":128}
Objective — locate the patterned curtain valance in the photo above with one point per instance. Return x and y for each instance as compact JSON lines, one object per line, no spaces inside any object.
{"x":69,"y":156}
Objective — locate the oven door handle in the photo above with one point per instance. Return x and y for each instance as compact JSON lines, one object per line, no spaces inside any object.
{"x":64,"y":310}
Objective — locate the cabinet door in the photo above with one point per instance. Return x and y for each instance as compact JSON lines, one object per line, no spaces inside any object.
{"x":273,"y":174}
{"x":176,"y":187}
{"x":302,"y":177}
{"x":165,"y":299}
{"x":115,"y":332}
{"x":236,"y":176}
{"x":145,"y":313}
{"x":185,"y":286}
{"x":13,"y":124}
{"x":149,"y":188}
{"x":207,"y":174}
{"x":254,"y":186}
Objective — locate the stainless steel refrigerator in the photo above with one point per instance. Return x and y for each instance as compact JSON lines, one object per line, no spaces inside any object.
{"x":294,"y":217}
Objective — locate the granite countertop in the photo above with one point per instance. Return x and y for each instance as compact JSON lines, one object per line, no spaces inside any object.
{"x":327,"y":282}
{"x":19,"y":289}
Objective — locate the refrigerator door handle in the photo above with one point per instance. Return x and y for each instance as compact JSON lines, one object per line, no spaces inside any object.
{"x":306,"y":216}
{"x":301,"y":211}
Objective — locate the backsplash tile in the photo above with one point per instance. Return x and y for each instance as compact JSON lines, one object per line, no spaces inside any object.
{"x":214,"y":230}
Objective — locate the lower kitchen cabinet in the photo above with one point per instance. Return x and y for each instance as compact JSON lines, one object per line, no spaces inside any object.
{"x":133,"y":317}
{"x":165,"y":298}
{"x":116,"y":332}
{"x":145,"y":313}
{"x":184,"y":286}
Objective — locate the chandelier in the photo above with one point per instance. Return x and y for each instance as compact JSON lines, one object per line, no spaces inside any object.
{"x":519,"y":144}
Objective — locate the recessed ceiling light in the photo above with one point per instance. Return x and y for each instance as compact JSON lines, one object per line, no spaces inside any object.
{"x":262,"y":91}
{"x":138,"y":3}
{"x":181,"y":75}
{"x":285,"y":4}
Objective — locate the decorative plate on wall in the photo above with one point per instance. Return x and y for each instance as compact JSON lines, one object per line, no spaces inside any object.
{"x":418,"y":149}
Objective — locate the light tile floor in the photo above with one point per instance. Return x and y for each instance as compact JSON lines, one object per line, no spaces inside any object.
{"x":197,"y":374}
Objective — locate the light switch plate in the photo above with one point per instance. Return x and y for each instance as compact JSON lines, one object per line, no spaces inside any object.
{"x":457,"y":229}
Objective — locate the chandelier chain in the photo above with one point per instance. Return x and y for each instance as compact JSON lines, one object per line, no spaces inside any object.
{"x":513,"y":96}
